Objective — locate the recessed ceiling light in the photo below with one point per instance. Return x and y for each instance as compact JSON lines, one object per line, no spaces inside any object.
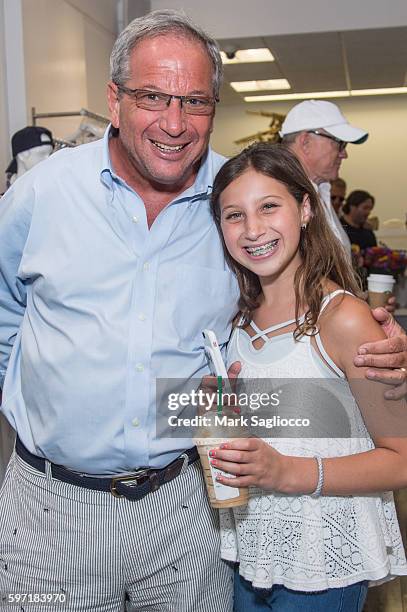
{"x":247,"y":56}
{"x":260,"y":85}
{"x":353,"y":93}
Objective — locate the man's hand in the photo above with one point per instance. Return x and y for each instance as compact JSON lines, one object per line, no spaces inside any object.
{"x":388,"y":357}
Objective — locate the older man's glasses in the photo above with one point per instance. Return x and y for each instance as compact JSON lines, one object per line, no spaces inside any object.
{"x":341,"y":144}
{"x":159,"y":101}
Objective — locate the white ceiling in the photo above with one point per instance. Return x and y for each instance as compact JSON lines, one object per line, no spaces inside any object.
{"x":323,"y":61}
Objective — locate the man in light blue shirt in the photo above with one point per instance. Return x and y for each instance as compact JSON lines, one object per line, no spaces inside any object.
{"x":103,"y":306}
{"x":110,"y":267}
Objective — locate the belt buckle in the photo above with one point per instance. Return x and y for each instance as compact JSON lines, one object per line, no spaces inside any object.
{"x":141,"y":473}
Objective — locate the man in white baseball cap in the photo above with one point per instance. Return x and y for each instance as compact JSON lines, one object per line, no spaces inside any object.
{"x":318,"y":133}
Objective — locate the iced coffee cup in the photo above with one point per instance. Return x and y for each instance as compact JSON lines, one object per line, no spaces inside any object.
{"x":380,"y":288}
{"x":220,"y":496}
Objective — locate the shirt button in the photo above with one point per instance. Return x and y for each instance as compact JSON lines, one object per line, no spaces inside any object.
{"x":142,"y":316}
{"x":134,"y":219}
{"x":135,"y":422}
{"x":146,"y":266}
{"x":140,"y":367}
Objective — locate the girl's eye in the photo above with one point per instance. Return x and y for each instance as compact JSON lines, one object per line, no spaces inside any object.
{"x":269,"y":206}
{"x":234,"y":216}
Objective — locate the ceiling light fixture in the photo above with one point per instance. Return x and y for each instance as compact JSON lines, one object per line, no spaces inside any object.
{"x":298,"y":96}
{"x":382,"y":91}
{"x":260,"y":85}
{"x":246,"y":56}
{"x":353,"y":93}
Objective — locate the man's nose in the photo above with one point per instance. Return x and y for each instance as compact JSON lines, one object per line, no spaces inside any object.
{"x":173,"y":119}
{"x":343,"y":154}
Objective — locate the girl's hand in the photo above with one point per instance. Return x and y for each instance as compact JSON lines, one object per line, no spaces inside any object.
{"x":209,"y":387}
{"x":254,"y":463}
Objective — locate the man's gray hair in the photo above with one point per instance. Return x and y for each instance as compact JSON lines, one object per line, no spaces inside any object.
{"x":289,"y":139}
{"x":159,"y":23}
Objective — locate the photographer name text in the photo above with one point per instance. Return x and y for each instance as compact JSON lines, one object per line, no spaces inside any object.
{"x":241,"y":421}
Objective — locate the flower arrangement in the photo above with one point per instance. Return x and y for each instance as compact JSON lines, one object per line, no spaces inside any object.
{"x":384,"y":260}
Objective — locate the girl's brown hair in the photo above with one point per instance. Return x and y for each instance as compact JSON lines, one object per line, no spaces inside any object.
{"x":323,"y":256}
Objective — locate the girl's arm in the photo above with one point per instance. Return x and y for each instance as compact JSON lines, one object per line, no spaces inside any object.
{"x":345,"y":324}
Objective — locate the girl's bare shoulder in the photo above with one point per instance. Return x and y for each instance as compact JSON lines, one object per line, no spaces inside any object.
{"x":348,"y":318}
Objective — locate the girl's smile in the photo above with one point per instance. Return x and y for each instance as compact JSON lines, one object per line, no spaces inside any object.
{"x":262,"y":251}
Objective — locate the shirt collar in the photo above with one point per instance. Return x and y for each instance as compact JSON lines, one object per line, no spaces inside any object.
{"x":106,"y":172}
{"x":202,"y":185}
{"x":325,"y":189}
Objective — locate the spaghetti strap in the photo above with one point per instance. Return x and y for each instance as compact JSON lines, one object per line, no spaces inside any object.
{"x":326,"y":357}
{"x":330,"y":296}
{"x":318,"y":339}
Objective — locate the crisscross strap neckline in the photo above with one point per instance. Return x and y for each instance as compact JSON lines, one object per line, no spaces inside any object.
{"x":262,"y":333}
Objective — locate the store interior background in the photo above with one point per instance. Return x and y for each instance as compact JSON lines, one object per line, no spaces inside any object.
{"x":54,"y":57}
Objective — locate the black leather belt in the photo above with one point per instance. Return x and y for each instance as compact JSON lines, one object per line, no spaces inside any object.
{"x":133,"y":486}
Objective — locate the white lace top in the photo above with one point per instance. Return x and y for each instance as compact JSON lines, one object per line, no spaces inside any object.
{"x":304,"y":543}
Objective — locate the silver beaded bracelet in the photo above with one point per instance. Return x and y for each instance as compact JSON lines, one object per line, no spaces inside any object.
{"x":320,"y":482}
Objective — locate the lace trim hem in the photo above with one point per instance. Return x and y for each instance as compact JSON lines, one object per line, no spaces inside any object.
{"x":376,"y":577}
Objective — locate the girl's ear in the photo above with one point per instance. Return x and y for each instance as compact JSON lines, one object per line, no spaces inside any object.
{"x":306,"y":213}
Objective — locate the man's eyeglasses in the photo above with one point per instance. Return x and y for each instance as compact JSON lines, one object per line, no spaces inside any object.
{"x":159,"y":101}
{"x":341,"y":144}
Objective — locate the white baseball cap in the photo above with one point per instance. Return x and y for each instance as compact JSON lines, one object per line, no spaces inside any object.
{"x":320,"y":114}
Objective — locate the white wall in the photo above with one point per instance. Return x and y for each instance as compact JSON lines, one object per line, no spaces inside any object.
{"x":102,"y":12}
{"x":67,"y":44}
{"x":4,"y":129}
{"x":243,"y":18}
{"x":379,"y":165}
{"x":137,"y":8}
{"x":12,"y":74}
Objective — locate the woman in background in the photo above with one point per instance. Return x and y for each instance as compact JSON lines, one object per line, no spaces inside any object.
{"x":358,"y":206}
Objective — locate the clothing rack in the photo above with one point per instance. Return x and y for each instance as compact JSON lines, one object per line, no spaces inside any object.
{"x":83,"y":112}
{"x":60,"y":143}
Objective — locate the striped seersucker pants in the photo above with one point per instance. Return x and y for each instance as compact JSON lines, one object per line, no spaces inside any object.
{"x":159,"y":554}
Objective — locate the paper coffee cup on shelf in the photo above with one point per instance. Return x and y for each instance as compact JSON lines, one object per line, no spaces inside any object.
{"x":380,"y":288}
{"x":220,"y":496}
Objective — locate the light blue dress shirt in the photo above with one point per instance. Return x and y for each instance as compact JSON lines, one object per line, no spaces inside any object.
{"x":94,"y":306}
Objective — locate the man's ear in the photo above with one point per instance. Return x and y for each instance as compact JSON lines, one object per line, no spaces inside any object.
{"x":114,"y":104}
{"x":303,"y":141}
{"x":306,"y":212}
